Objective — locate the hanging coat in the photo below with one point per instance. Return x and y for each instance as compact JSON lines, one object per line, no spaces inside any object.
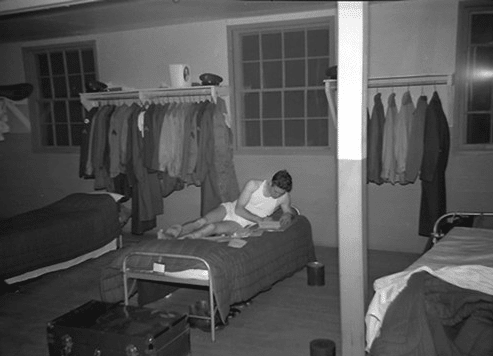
{"x":388,"y":158}
{"x":401,"y":136}
{"x":84,"y":145}
{"x":415,"y":146}
{"x":435,"y":158}
{"x":375,"y":140}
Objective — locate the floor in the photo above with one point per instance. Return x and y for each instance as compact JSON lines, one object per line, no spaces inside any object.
{"x":279,"y":322}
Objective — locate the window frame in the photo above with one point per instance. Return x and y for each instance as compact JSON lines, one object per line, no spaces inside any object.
{"x":31,"y":71}
{"x":465,"y":10}
{"x":234,"y":46}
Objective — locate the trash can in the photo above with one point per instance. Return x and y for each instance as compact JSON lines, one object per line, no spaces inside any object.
{"x":315,"y":273}
{"x":322,"y":347}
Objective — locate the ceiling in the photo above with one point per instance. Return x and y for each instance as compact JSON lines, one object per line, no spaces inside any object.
{"x":24,"y":20}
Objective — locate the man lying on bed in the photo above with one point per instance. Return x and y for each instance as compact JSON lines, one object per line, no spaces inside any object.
{"x":258,"y":200}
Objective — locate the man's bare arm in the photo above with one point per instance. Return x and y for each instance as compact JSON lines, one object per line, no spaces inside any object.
{"x":288,"y":212}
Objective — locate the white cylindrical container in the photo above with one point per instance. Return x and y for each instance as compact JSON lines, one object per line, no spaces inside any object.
{"x":180,"y":75}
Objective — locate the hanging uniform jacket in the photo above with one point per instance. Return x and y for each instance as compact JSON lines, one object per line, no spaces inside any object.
{"x":401,"y":136}
{"x":375,"y":141}
{"x":114,"y":138}
{"x":100,"y":150}
{"x":416,"y":137}
{"x":388,"y":158}
{"x":84,"y":146}
{"x":435,"y":158}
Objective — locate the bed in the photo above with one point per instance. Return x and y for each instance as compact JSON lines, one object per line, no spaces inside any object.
{"x":232,"y":274}
{"x":59,"y":235}
{"x":442,"y":304}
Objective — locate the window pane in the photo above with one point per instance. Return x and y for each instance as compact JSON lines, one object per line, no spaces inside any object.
{"x":60,"y":87}
{"x":480,"y":96}
{"x":46,"y":113}
{"x":483,"y":63}
{"x":317,"y":103}
{"x":57,"y":66}
{"x":251,"y":133}
{"x":295,"y":132}
{"x":88,"y":61}
{"x":294,"y":44}
{"x":316,"y":71}
{"x":295,"y":73}
{"x":61,"y":132}
{"x":478,"y":128}
{"x":252,"y":106}
{"x":73,"y":62}
{"x":43,"y":65}
{"x":47,"y":138}
{"x":294,"y":104}
{"x":271,"y":104}
{"x":251,"y":75}
{"x":75,"y":83}
{"x":60,"y":111}
{"x":272,"y":132}
{"x":89,"y":78}
{"x":482,"y":28}
{"x":482,"y":75}
{"x":76,"y":130}
{"x":271,"y":46}
{"x":272,"y":74}
{"x":75,"y":110}
{"x":250,"y":48}
{"x":318,"y":42}
{"x":318,"y":132}
{"x":46,"y":88}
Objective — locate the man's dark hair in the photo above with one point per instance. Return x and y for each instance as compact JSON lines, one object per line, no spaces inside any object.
{"x":283,"y":180}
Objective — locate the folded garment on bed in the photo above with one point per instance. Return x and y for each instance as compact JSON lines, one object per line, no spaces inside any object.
{"x":63,"y":230}
{"x":464,"y":258}
{"x":238,"y":274}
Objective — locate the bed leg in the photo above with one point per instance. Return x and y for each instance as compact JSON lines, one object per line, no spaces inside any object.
{"x":120,"y":242}
{"x":213,"y":313}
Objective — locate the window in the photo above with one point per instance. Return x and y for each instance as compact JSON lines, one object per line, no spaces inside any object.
{"x":475,"y":76}
{"x":59,"y":74}
{"x":277,"y":83}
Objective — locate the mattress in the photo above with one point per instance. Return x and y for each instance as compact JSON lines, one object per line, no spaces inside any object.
{"x":69,"y":228}
{"x":464,"y":258}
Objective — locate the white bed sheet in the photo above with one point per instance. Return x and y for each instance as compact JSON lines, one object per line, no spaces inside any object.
{"x":112,"y":245}
{"x":464,"y":257}
{"x":199,"y":274}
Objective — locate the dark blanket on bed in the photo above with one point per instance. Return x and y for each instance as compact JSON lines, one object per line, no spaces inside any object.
{"x":61,"y":231}
{"x":434,"y":318}
{"x":238,"y":274}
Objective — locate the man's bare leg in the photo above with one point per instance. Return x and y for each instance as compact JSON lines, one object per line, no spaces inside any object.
{"x":176,"y":231}
{"x":217,"y":228}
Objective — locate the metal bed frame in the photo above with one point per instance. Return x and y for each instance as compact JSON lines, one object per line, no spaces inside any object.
{"x":437,"y":234}
{"x":152,"y":275}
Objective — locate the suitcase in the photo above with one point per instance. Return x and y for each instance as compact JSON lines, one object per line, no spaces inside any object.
{"x":104,"y":329}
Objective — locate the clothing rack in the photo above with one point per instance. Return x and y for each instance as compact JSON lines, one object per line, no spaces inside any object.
{"x":389,"y":82}
{"x":155,"y":96}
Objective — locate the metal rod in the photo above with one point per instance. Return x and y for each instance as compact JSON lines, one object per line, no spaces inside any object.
{"x":401,"y":81}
